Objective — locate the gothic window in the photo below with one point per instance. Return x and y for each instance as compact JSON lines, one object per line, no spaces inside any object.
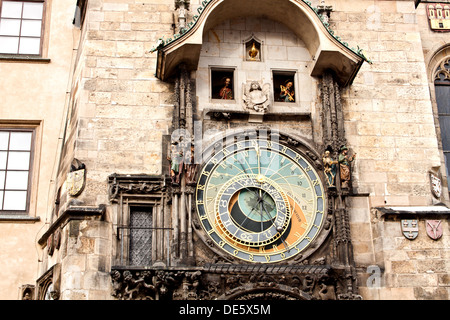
{"x":16,"y":147}
{"x":142,"y":233}
{"x":222,"y":83}
{"x":21,"y":26}
{"x":442,"y":88}
{"x":141,"y":228}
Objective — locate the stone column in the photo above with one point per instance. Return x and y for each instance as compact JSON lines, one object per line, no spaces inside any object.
{"x":85,"y":262}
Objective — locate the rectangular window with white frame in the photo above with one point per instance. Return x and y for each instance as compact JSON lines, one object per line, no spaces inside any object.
{"x":21,"y":27}
{"x":16,"y":154}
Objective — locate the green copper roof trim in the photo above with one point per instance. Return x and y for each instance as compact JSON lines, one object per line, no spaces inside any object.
{"x":162,"y":43}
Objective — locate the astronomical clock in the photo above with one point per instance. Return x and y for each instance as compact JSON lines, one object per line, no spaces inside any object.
{"x":263,"y":213}
{"x":260,"y":201}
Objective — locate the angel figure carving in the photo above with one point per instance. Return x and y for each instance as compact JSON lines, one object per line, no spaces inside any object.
{"x":257,"y":98}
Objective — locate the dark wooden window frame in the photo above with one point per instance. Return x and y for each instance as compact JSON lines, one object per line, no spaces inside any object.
{"x":41,"y":42}
{"x":279,"y":76}
{"x":216,"y":76}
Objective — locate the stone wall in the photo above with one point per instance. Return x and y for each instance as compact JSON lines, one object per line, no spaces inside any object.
{"x":118,"y":113}
{"x":412,"y":269}
{"x":388,"y":110}
{"x":436,"y":47}
{"x":123,"y":109}
{"x":85,"y":260}
{"x":223,"y":46}
{"x":390,"y":125}
{"x":123,"y":112}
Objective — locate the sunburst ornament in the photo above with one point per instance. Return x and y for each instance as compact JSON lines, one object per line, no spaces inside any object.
{"x":253,"y":52}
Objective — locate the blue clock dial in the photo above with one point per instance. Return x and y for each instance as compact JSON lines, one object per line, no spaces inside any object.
{"x":260,"y":201}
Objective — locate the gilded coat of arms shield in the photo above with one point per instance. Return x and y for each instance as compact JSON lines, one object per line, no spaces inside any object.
{"x":410,"y":228}
{"x":439,"y":16}
{"x":75,"y":182}
{"x":434,"y":229}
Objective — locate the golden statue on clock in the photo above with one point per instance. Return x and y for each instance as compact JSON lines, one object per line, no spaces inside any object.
{"x":260,"y":201}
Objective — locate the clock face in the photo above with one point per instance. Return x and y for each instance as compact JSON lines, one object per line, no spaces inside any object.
{"x":260,"y":201}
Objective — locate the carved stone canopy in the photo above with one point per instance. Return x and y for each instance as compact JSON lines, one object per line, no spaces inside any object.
{"x":134,"y":184}
{"x":253,"y":50}
{"x":326,"y":50}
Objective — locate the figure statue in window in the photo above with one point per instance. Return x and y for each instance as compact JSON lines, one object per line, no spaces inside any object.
{"x":176,"y":164}
{"x":287,"y":92}
{"x":226,"y":92}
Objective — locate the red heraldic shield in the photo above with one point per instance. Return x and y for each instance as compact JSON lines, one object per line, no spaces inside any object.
{"x":434,"y":229}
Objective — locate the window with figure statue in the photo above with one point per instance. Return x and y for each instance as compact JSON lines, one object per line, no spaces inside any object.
{"x":222,"y":84}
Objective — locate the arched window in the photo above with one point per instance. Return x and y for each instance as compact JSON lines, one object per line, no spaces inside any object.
{"x":442,"y":88}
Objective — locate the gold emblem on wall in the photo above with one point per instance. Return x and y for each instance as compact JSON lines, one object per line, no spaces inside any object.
{"x":439,"y":16}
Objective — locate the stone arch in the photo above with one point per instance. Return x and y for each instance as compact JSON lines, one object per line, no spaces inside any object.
{"x":439,"y":55}
{"x":326,"y":50}
{"x":258,"y":291}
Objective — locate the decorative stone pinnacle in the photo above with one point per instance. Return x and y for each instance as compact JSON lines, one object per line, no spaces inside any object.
{"x":182,"y":4}
{"x":324,"y":11}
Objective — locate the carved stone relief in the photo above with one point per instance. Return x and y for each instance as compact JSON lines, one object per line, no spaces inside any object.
{"x":236,"y":282}
{"x":257,"y":97}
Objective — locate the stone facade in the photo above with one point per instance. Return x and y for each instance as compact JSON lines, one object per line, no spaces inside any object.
{"x":122,"y":114}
